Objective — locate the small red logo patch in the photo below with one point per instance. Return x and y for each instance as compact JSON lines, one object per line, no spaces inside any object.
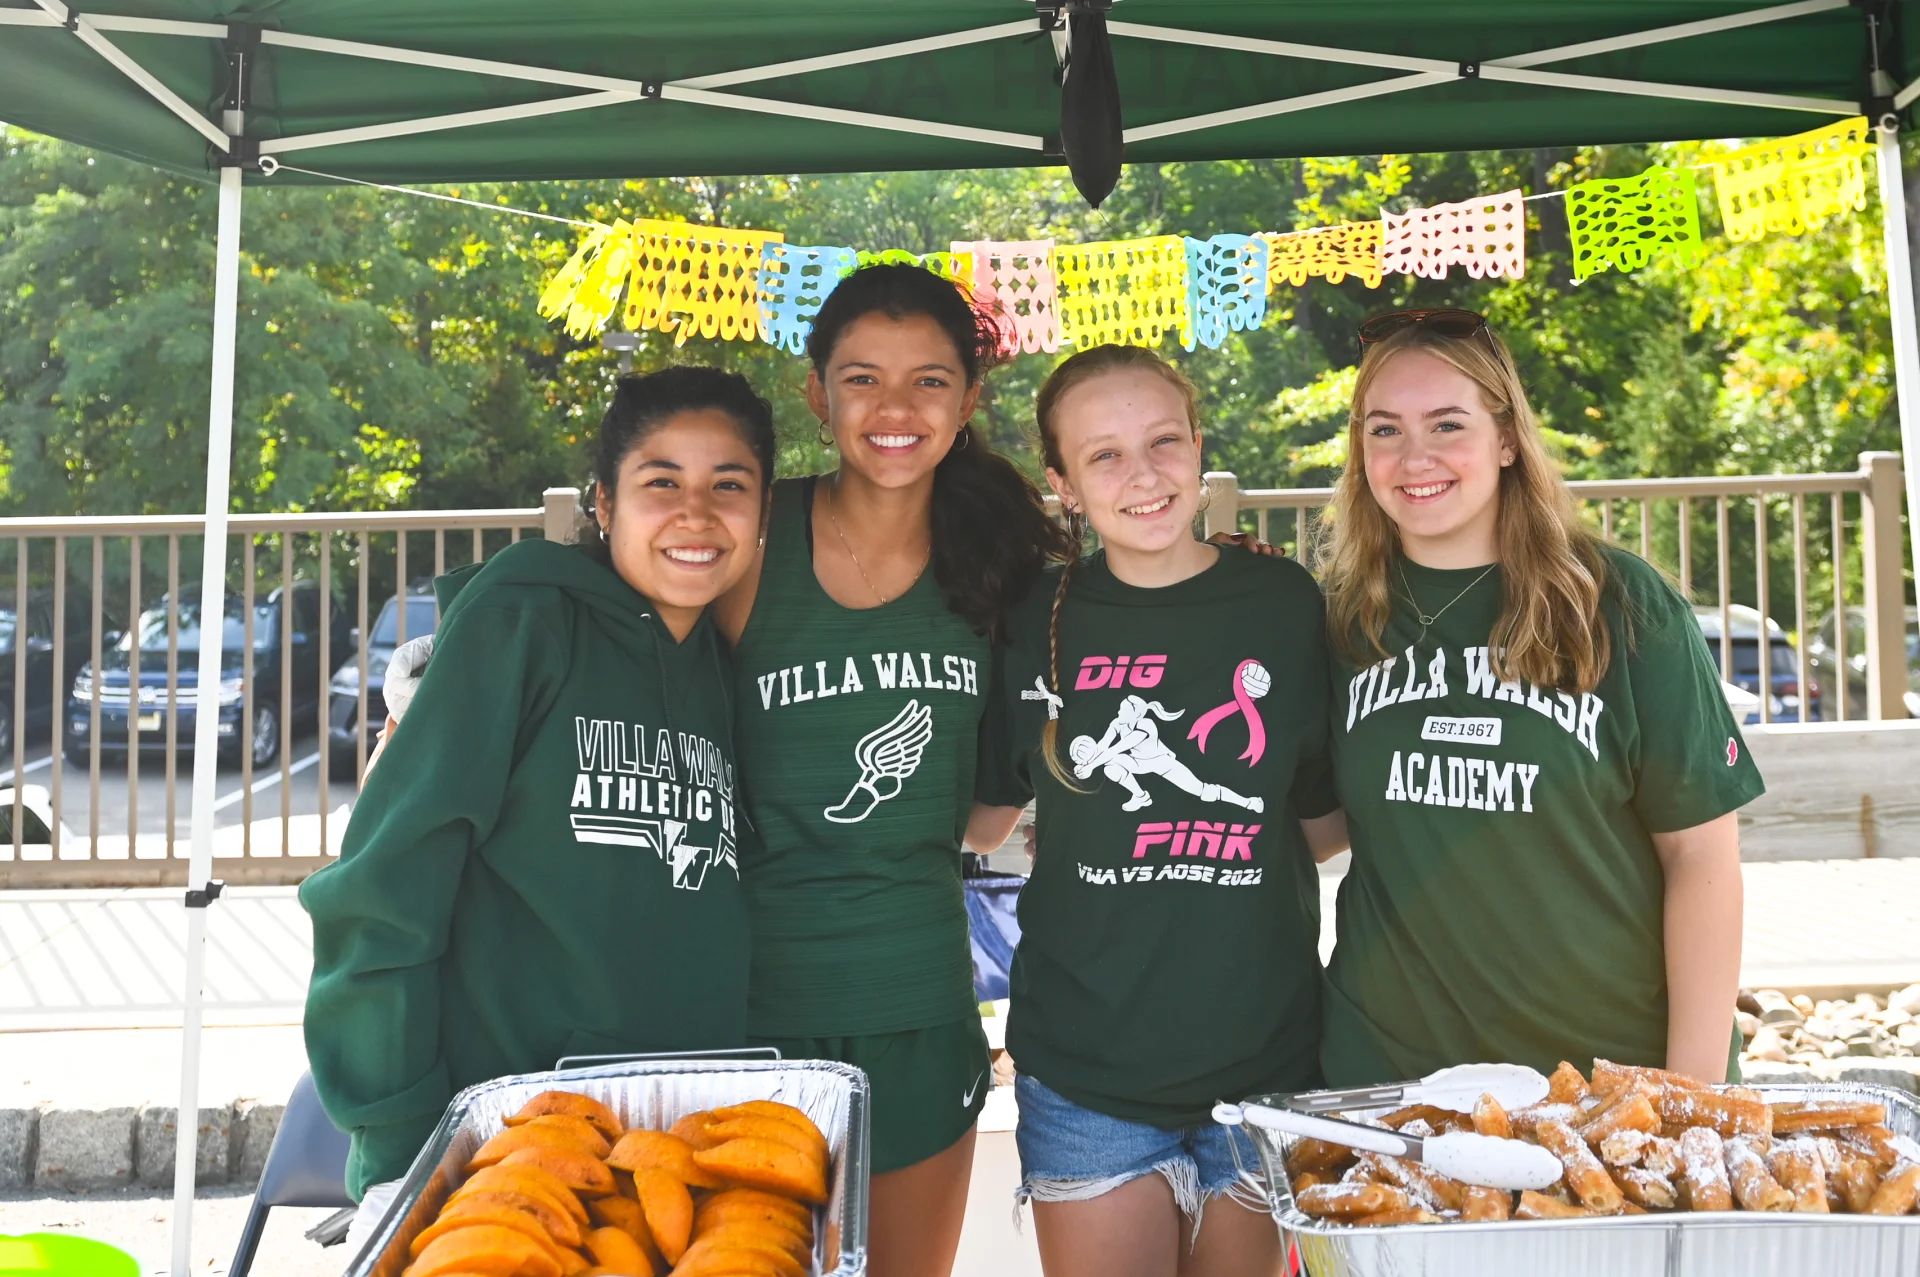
{"x":1733,"y":751}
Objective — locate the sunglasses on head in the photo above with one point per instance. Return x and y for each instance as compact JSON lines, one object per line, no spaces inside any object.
{"x":1447,"y":323}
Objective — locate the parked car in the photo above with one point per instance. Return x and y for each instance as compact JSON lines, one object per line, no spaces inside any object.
{"x":78,"y":645}
{"x":269,"y":673}
{"x":1783,"y":663}
{"x":1822,"y":654}
{"x":343,"y":713}
{"x":36,"y":817}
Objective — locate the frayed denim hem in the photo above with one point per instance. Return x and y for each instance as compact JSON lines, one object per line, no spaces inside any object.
{"x":1182,"y":1176}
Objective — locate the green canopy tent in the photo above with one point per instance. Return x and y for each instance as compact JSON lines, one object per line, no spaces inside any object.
{"x":268,"y":91}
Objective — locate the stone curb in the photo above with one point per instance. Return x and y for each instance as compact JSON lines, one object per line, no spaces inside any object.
{"x":82,"y":1150}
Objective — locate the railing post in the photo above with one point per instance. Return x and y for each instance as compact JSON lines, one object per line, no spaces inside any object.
{"x":1223,"y":510}
{"x":561,"y":514}
{"x":1881,"y":549}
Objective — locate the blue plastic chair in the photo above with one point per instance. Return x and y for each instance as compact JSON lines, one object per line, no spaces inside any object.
{"x":307,"y":1166}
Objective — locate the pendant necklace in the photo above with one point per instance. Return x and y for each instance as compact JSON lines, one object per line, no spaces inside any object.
{"x":1427,"y":622}
{"x":831,"y":486}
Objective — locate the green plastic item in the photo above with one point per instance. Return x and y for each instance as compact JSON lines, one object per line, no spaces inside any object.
{"x":58,"y":1255}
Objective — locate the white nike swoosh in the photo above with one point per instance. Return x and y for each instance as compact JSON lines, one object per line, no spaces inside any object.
{"x":966,"y":1101}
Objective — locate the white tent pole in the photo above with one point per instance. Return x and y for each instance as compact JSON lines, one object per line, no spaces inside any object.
{"x":1906,"y":325}
{"x":206,"y":720}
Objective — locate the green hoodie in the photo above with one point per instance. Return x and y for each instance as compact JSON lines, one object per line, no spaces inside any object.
{"x":541,"y":865}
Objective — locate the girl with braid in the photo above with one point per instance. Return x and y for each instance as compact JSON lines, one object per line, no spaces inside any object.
{"x":1168,"y":956}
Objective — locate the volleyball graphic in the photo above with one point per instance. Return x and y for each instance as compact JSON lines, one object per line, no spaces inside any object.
{"x":1254,"y":677}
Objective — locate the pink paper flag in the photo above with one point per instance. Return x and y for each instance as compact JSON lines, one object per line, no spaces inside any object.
{"x":1014,"y":280}
{"x":1485,"y":234}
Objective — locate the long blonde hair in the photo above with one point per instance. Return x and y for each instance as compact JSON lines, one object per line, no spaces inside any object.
{"x":1553,"y":573}
{"x":1088,"y":365}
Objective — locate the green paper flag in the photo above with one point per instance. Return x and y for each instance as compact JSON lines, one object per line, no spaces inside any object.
{"x":1624,"y":223}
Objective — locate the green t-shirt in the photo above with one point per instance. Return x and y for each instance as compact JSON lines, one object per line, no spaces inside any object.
{"x":1168,"y":953}
{"x":857,"y":732}
{"x":1505,"y":900}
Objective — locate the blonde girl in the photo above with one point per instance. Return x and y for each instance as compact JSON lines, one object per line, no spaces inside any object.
{"x":1538,"y":767}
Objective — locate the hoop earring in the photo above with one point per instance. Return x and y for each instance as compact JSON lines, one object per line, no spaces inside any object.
{"x":1206,"y":494}
{"x":966,"y":439}
{"x":826,"y":436}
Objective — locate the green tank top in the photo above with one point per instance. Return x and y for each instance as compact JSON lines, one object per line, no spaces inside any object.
{"x":857,"y":741}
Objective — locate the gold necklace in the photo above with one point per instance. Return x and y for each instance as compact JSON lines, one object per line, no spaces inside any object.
{"x":1427,"y":622}
{"x":832,"y":486}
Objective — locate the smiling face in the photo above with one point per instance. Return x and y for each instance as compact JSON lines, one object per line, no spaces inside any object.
{"x":1433,"y":456}
{"x":895,"y":394}
{"x":683,"y":518}
{"x":1131,"y":458}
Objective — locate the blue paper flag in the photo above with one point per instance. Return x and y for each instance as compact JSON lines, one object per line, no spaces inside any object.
{"x":1226,"y":287}
{"x":794,"y":280}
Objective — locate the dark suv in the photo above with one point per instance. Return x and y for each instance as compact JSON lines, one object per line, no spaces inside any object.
{"x":1789,"y":704}
{"x":343,"y":710}
{"x":269,"y":673}
{"x":77,"y":650}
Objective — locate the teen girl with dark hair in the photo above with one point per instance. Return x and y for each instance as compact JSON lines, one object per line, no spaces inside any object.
{"x":559,"y":820}
{"x":863,"y":643}
{"x":1166,"y":701}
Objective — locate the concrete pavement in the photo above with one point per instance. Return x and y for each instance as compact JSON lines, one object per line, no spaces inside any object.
{"x":112,"y":959}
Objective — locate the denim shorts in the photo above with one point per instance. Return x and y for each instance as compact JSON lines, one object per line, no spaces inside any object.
{"x":1070,"y":1154}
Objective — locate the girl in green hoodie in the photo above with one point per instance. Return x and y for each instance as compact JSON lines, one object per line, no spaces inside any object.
{"x":549,"y":865}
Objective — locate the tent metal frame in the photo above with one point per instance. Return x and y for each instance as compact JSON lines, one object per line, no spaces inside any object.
{"x":93,"y":30}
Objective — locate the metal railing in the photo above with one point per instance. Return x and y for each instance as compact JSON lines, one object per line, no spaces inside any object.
{"x":1662,"y":520}
{"x":87,"y":680}
{"x":71,"y":577}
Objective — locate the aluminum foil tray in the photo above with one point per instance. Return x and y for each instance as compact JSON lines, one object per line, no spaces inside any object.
{"x":652,"y":1094}
{"x":1730,"y":1244}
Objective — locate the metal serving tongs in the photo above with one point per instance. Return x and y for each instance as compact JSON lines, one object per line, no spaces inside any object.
{"x":1515,"y":1086}
{"x":1461,"y":1155}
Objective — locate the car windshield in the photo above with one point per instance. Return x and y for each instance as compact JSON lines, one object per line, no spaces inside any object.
{"x":420,"y":620}
{"x":153,"y":627}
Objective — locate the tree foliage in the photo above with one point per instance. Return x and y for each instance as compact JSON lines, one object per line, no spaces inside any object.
{"x":389,"y":355}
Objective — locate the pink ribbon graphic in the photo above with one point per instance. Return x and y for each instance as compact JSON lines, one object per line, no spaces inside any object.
{"x":1240,"y":704}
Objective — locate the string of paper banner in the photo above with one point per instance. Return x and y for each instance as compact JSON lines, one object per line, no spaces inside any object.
{"x":748,"y":285}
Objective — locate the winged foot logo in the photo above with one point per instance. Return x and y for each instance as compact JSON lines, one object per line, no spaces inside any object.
{"x":887,"y":756}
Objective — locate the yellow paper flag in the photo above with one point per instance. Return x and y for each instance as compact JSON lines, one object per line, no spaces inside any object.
{"x":1330,"y":252}
{"x":599,"y":290}
{"x":688,"y":279}
{"x":1123,"y":292}
{"x":558,"y":295}
{"x":1795,"y":184}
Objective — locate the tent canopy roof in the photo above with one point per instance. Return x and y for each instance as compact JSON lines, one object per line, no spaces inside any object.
{"x":599,"y":88}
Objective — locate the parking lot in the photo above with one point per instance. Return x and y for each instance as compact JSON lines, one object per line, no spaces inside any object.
{"x":138,"y":814}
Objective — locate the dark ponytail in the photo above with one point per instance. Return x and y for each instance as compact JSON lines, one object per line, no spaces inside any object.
{"x":991,"y":532}
{"x":644,"y":403}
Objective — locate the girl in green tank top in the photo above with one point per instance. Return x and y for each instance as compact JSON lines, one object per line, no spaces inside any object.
{"x":863,"y":643}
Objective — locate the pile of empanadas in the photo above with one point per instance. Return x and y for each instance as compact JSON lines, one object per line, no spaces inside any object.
{"x":566,"y":1191}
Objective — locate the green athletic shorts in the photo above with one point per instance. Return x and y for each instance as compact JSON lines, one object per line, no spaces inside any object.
{"x":929,"y":1085}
